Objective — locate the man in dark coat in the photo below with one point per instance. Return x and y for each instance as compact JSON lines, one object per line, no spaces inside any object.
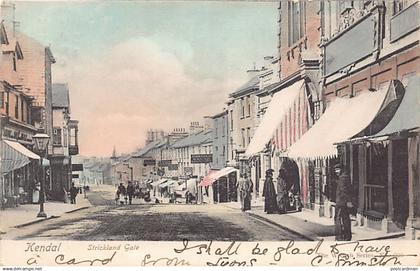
{"x":130,"y":191}
{"x":269,"y":193}
{"x":245,"y":188}
{"x":73,"y":193}
{"x":343,"y":205}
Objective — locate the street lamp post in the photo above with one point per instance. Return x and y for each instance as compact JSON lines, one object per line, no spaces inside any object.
{"x":41,"y":144}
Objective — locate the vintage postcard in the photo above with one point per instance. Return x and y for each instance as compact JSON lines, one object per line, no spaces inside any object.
{"x":210,"y":133}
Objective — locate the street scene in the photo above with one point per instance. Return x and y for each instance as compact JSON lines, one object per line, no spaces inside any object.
{"x":226,"y":121}
{"x":151,"y":222}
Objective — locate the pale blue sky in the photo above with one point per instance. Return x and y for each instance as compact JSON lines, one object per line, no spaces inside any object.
{"x":209,"y":43}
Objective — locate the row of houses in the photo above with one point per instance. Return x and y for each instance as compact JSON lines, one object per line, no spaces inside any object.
{"x":30,"y":103}
{"x":343,"y":88}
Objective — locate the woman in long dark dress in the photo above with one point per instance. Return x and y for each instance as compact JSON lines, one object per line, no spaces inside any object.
{"x":269,"y":193}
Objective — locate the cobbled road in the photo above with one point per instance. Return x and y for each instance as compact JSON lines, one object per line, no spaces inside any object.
{"x":152,"y":222}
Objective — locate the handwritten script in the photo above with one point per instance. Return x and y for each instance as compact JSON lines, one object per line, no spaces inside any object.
{"x":212,"y":253}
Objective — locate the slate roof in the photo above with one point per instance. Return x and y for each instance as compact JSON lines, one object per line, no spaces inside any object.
{"x":60,"y":95}
{"x":199,"y":138}
{"x":253,"y":83}
{"x":147,"y":149}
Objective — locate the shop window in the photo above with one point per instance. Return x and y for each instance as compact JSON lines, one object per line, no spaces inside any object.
{"x":376,"y":179}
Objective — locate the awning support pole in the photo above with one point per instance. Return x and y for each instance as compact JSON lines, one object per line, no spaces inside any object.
{"x":390,"y":194}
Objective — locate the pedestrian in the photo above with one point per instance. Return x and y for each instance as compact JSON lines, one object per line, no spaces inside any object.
{"x":282,"y":195}
{"x":73,"y":193}
{"x":343,"y":205}
{"x":269,"y":193}
{"x":187,"y":197}
{"x":121,"y":191}
{"x":245,"y":188}
{"x":130,"y":192}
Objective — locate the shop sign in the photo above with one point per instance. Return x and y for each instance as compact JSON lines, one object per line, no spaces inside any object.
{"x":164,"y":163}
{"x":149,"y":162}
{"x":201,"y":158}
{"x":173,"y":167}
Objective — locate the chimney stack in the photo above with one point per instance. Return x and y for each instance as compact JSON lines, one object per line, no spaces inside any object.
{"x":7,"y":15}
{"x":252,"y":72}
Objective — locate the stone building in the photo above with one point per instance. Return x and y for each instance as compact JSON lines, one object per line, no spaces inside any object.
{"x":63,"y":144}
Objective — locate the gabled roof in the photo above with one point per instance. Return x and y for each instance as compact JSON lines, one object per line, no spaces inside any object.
{"x":60,"y":95}
{"x":199,"y":138}
{"x":252,"y":84}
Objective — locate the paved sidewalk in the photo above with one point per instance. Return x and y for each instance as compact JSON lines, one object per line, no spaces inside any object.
{"x":308,"y":224}
{"x":25,"y":214}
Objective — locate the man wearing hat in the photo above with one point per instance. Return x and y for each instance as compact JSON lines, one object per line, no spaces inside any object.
{"x":343,"y":205}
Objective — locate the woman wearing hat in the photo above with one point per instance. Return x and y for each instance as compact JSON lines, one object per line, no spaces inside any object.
{"x":269,"y":193}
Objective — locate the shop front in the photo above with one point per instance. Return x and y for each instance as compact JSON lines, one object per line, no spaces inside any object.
{"x":344,"y":119}
{"x":283,"y":123}
{"x":19,"y":169}
{"x":221,"y":185}
{"x":385,"y":165}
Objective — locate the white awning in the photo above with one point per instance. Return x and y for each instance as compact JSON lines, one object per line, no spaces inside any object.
{"x":158,"y":182}
{"x":22,"y":149}
{"x":344,"y":118}
{"x":168,"y":183}
{"x":279,"y":105}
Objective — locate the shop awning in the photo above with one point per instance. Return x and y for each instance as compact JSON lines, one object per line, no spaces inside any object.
{"x":20,"y":148}
{"x":167,"y":183}
{"x":343,"y":119}
{"x":214,"y":175}
{"x":14,"y":156}
{"x":407,"y":116}
{"x":158,"y":182}
{"x":277,"y":109}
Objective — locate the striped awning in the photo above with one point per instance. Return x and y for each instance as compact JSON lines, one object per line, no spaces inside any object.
{"x":282,"y":105}
{"x":14,"y":156}
{"x":216,"y":174}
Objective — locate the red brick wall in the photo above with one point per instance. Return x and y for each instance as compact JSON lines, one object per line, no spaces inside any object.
{"x":395,"y":67}
{"x":290,"y":55}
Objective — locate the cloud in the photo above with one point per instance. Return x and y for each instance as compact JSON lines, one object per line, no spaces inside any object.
{"x":119,"y":95}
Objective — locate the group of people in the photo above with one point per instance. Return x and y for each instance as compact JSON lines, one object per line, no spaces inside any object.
{"x":125,"y":195}
{"x":280,"y":201}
